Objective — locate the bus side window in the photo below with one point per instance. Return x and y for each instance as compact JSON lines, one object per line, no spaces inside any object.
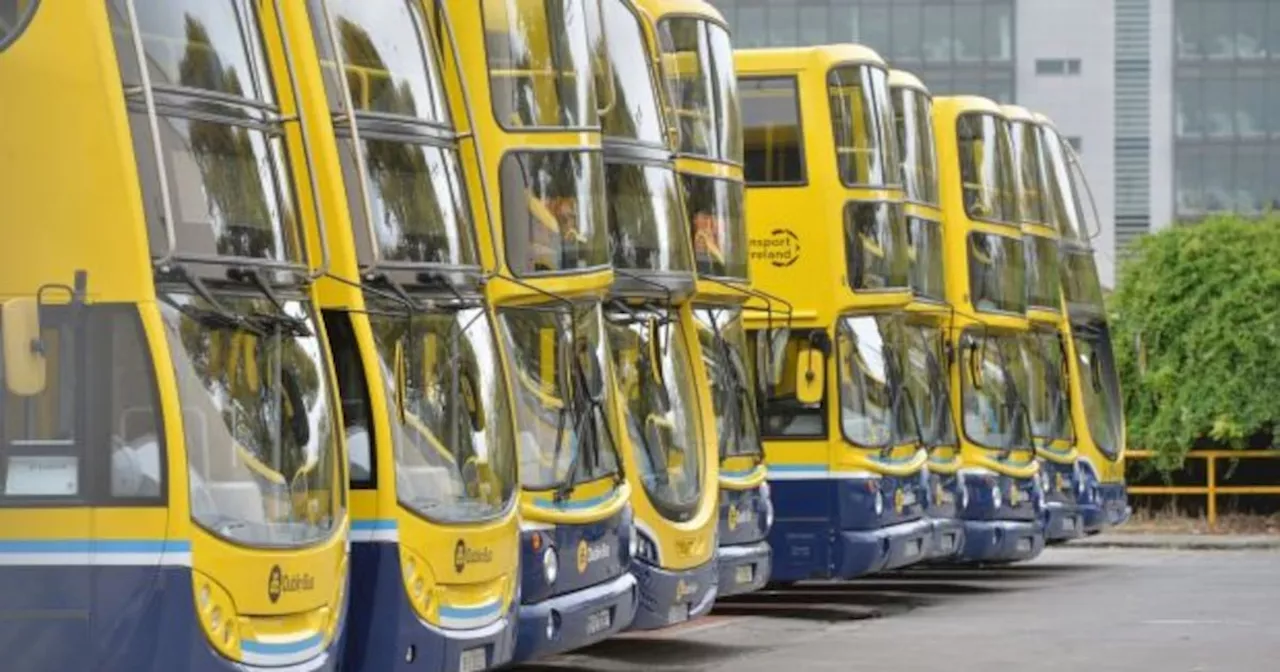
{"x":354,"y":395}
{"x":119,"y":355}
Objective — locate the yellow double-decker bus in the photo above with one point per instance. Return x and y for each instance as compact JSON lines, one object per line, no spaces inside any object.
{"x":669,"y":442}
{"x":533,"y":73}
{"x":926,"y":371}
{"x":1044,"y":349}
{"x":825,"y":212}
{"x":427,"y":410}
{"x":172,"y":491}
{"x":986,"y":289}
{"x":1096,"y":410}
{"x":694,"y":55}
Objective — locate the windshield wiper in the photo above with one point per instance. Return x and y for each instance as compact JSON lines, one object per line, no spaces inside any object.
{"x":280,"y":321}
{"x":586,"y":409}
{"x":216,"y":316}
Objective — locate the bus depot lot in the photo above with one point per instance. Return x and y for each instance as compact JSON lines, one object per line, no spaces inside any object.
{"x":1073,"y":609}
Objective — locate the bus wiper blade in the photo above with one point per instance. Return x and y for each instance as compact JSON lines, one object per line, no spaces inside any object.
{"x":281,"y":321}
{"x":216,"y":316}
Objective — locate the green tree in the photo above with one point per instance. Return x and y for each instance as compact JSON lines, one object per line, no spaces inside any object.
{"x":1197,"y":336}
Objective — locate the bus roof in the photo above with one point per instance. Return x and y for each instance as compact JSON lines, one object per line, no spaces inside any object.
{"x":902,"y":79}
{"x":958,"y":105}
{"x":1018,"y":113}
{"x":794,"y":59}
{"x":1044,"y":120}
{"x":660,"y":9}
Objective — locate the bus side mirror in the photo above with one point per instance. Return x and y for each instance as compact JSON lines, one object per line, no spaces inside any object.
{"x":24,"y":356}
{"x":811,"y":368}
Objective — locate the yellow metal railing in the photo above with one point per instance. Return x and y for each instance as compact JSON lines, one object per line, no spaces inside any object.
{"x":1210,"y":490}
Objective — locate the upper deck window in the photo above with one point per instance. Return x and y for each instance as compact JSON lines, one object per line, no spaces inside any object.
{"x":861,"y":114}
{"x":1044,"y":280}
{"x":553,"y":208}
{"x":997,"y":273}
{"x":635,"y":113}
{"x":773,"y":143}
{"x":540,"y":68}
{"x":1064,"y":196}
{"x":389,"y":67}
{"x":1028,"y":159}
{"x":986,"y":168}
{"x":220,"y":130}
{"x":913,"y":112}
{"x":719,"y":232}
{"x":646,"y":218}
{"x":14,"y":17}
{"x":416,"y":197}
{"x":697,"y":63}
{"x":876,"y":253}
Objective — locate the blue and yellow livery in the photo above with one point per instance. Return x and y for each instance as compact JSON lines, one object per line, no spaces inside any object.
{"x":693,"y":53}
{"x":828,"y":234}
{"x":171,"y":472}
{"x":986,"y":289}
{"x":428,"y":414}
{"x":928,"y":315}
{"x":529,"y":69}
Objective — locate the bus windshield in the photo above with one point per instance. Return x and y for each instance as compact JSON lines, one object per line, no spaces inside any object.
{"x":559,"y":360}
{"x":553,"y":208}
{"x":913,"y":113}
{"x":873,"y":410}
{"x":719,"y":231}
{"x":540,"y":67}
{"x":417,"y":202}
{"x":866,"y":147}
{"x":454,"y":444}
{"x":1099,"y":384}
{"x":986,"y":168}
{"x":733,"y":397}
{"x":876,"y":251}
{"x":646,"y":219}
{"x":697,"y":64}
{"x":927,"y":379}
{"x":259,"y":425}
{"x":655,"y":379}
{"x":1047,"y":399}
{"x":997,"y":273}
{"x":994,"y":379}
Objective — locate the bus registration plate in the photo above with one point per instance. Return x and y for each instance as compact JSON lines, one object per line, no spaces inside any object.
{"x":598,"y":622}
{"x":1024,"y":545}
{"x":744,"y":574}
{"x":473,"y":660}
{"x":678,"y":613}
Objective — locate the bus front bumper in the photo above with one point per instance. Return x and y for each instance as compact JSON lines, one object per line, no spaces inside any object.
{"x":866,"y":551}
{"x":668,"y":597}
{"x":1063,"y":522}
{"x":1001,"y":540}
{"x":948,"y":538}
{"x":744,"y":568}
{"x":574,"y":620}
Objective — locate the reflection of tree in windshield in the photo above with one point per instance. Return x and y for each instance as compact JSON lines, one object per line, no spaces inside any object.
{"x":228,"y":163}
{"x":407,"y":187}
{"x":269,"y":383}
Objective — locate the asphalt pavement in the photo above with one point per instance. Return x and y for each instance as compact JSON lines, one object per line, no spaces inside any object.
{"x":1092,"y":609}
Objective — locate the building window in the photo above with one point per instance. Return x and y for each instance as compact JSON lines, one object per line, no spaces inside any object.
{"x":950,"y":43}
{"x":1057,"y":66}
{"x":14,"y":17}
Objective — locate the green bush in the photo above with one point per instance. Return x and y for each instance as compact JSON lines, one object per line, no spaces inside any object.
{"x":1197,"y":334}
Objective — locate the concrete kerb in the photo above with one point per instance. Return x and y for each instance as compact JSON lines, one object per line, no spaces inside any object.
{"x":1189,"y":542}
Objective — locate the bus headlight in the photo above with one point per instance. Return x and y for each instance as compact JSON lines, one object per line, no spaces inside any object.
{"x":964,"y":494}
{"x":879,"y":503}
{"x":633,"y":544}
{"x":997,"y":497}
{"x":550,"y":565}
